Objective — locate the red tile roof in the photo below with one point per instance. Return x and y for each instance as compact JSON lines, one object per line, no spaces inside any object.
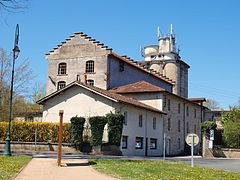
{"x":145,"y":87}
{"x":197,"y":99}
{"x":104,"y":93}
{"x":141,"y":86}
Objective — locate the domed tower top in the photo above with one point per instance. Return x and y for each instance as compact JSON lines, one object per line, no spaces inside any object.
{"x":166,"y":49}
{"x":164,"y":59}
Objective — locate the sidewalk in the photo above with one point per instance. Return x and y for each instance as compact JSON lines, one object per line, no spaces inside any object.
{"x":46,"y":168}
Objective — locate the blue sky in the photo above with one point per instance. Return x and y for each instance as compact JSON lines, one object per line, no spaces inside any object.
{"x":208,"y":33}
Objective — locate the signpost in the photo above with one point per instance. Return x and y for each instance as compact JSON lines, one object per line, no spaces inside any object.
{"x":211,"y":134}
{"x":192,"y":140}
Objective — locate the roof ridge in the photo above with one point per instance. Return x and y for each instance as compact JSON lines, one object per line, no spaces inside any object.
{"x":85,"y":36}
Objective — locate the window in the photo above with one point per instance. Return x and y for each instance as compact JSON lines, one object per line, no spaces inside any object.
{"x":61,"y":84}
{"x":90,"y":66}
{"x":125,"y":118}
{"x":179,"y":143}
{"x":179,"y":126}
{"x":153,"y":143}
{"x":164,"y":100}
{"x":169,"y":124}
{"x":124,"y":142}
{"x":154,"y":123}
{"x":169,"y":104}
{"x":140,"y":121}
{"x":195,"y":113}
{"x":187,"y":111}
{"x":179,"y":107}
{"x":195,"y":128}
{"x":62,"y":68}
{"x":90,"y":82}
{"x":187,"y":127}
{"x":121,"y":66}
{"x":139,"y":143}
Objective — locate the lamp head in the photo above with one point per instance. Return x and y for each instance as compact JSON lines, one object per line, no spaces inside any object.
{"x":16,"y":51}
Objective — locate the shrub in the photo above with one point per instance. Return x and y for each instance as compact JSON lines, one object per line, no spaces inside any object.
{"x":97,"y":126}
{"x":115,"y":126}
{"x":77,"y":126}
{"x":231,"y":124}
{"x":25,"y":131}
{"x":207,"y":125}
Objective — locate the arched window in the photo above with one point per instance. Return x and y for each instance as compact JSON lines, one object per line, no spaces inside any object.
{"x":61,"y":84}
{"x":90,"y":82}
{"x":62,"y":68}
{"x":90,"y":66}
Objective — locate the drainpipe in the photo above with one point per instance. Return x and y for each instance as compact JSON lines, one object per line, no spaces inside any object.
{"x":145,"y":138}
{"x":184,"y":127}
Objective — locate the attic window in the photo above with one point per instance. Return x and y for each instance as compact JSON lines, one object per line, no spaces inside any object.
{"x":90,"y":82}
{"x":62,"y":68}
{"x":61,"y":84}
{"x":121,"y":66}
{"x":90,"y":66}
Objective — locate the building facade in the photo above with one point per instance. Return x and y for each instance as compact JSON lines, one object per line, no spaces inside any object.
{"x":86,"y":78}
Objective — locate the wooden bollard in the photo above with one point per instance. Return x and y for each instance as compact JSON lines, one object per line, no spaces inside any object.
{"x":60,"y":132}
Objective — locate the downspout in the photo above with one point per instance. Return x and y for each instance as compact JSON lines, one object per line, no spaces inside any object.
{"x":145,"y":138}
{"x":184,"y":127}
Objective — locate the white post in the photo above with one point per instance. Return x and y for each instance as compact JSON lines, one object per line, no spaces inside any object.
{"x":192,"y":150}
{"x":164,"y":145}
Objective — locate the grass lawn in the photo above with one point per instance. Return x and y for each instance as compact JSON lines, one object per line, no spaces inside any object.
{"x":133,"y":169}
{"x":11,"y":165}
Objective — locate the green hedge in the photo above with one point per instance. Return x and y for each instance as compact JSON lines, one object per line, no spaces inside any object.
{"x":115,"y":126}
{"x":77,"y":126}
{"x":97,"y":126}
{"x":25,"y":131}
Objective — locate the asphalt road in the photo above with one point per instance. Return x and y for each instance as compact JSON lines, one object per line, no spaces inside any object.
{"x":217,"y":163}
{"x":232,"y":165}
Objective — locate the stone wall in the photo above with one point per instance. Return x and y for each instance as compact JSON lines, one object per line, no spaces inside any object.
{"x":38,"y":148}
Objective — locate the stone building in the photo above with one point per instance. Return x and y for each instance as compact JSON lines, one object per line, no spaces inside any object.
{"x":86,"y":78}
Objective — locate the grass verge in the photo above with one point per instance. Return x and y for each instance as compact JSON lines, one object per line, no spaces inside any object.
{"x":151,"y":170}
{"x":10,"y":165}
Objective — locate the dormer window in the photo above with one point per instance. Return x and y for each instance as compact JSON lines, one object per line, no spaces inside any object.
{"x":61,"y":84}
{"x":90,"y":66}
{"x":62,"y":68}
{"x":90,"y":82}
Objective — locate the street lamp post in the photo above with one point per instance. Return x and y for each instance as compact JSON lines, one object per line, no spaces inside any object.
{"x":16,"y":50}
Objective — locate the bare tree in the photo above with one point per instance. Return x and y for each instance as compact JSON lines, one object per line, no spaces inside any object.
{"x":211,"y":104}
{"x":12,"y":5}
{"x":22,"y":80}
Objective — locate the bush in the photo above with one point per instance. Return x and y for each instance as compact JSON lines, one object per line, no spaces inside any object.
{"x":207,"y":125}
{"x":97,"y":126}
{"x":115,"y":126}
{"x":77,"y":126}
{"x":25,"y":131}
{"x":231,"y":124}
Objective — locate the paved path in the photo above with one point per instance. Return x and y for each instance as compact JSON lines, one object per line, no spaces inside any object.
{"x":46,"y":168}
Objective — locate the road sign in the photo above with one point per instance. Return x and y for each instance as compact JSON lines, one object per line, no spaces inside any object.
{"x":211,"y":134}
{"x":192,"y":139}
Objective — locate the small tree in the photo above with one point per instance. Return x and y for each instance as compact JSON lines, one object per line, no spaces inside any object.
{"x":97,"y":126}
{"x":115,"y":126}
{"x":231,"y":124}
{"x":77,"y":126}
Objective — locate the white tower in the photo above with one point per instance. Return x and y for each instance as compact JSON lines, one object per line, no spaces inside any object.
{"x":164,"y":59}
